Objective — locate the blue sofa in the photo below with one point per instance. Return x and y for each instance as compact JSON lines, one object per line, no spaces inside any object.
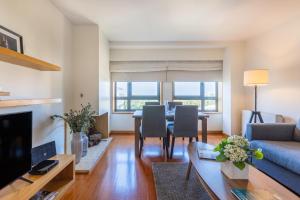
{"x":281,"y":147}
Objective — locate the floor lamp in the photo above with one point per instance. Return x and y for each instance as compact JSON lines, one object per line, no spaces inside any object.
{"x":258,"y":77}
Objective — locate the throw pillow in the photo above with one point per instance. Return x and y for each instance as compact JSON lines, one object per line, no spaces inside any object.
{"x":297,"y":132}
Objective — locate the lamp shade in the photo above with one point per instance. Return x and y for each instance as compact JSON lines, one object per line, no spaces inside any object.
{"x":256,"y":77}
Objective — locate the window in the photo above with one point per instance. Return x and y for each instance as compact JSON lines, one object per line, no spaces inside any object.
{"x":202,"y":94}
{"x":131,"y":96}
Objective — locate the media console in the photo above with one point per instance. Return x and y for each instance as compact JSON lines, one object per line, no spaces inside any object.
{"x":58,"y":179}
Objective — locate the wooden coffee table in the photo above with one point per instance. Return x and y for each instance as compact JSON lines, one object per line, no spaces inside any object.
{"x":219,"y":187}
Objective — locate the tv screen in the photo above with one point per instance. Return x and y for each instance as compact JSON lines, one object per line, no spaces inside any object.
{"x":15,"y":146}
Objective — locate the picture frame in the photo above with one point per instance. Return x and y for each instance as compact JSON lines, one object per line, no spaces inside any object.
{"x":11,"y":40}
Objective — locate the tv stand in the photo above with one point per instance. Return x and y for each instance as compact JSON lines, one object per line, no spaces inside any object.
{"x":58,"y":179}
{"x":25,"y":179}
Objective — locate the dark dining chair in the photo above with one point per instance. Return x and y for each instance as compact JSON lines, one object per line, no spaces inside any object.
{"x":173,"y":104}
{"x":185,"y":124}
{"x":154,"y":125}
{"x":152,"y":103}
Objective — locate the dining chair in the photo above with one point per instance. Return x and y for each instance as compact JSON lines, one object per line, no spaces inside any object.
{"x":154,"y":125}
{"x":152,"y":103}
{"x":185,"y":124}
{"x":173,"y":104}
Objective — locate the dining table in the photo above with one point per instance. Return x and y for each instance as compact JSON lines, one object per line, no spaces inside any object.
{"x":170,"y":115}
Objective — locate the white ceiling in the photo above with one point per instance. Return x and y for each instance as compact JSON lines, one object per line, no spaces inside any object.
{"x":180,"y":20}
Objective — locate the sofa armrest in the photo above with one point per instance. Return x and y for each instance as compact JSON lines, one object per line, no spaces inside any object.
{"x":268,"y":131}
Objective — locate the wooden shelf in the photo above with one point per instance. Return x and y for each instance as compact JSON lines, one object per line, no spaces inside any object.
{"x":4,"y":93}
{"x":16,"y":58}
{"x":26,"y":102}
{"x":58,"y":179}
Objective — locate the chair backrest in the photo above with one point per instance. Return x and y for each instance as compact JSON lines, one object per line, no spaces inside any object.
{"x":152,"y":103}
{"x":186,"y":121}
{"x":154,"y":121}
{"x":173,"y":104}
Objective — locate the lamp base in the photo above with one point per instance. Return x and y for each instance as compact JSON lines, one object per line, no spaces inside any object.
{"x":254,"y":116}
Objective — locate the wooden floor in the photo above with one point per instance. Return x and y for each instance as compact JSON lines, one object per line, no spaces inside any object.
{"x":119,"y":175}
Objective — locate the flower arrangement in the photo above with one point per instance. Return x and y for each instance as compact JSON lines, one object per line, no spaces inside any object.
{"x":79,"y":121}
{"x":237,"y":150}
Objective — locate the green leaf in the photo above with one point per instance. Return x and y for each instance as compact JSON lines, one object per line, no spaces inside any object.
{"x":258,"y":154}
{"x":221,"y":158}
{"x":217,"y":148}
{"x":240,"y":165}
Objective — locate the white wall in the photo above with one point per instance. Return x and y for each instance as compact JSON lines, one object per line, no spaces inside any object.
{"x":155,"y":54}
{"x":233,"y":89}
{"x":104,"y":75}
{"x":85,"y":69}
{"x":277,"y":50}
{"x":47,"y":35}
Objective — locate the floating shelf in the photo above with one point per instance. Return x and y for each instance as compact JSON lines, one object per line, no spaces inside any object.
{"x":4,"y":93}
{"x":26,"y":102}
{"x":16,"y":58}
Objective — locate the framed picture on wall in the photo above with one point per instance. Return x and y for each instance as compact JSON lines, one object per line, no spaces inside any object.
{"x":11,"y":40}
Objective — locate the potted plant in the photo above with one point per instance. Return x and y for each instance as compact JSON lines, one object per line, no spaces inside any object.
{"x":79,"y":123}
{"x":235,"y":152}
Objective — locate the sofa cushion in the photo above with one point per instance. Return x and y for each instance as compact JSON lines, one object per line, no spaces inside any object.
{"x":283,"y":153}
{"x":297,"y":132}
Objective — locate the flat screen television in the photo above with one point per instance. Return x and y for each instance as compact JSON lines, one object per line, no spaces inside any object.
{"x":15,"y":146}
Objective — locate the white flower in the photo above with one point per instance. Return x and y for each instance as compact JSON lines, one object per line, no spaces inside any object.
{"x":238,"y":140}
{"x":235,"y":153}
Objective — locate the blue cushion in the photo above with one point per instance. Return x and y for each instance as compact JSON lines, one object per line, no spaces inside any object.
{"x":283,"y":153}
{"x":171,"y":128}
{"x":297,"y":132}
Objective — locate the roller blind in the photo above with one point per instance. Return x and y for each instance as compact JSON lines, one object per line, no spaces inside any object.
{"x":166,"y":70}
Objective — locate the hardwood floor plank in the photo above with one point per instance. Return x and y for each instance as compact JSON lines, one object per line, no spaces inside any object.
{"x":120,"y":175}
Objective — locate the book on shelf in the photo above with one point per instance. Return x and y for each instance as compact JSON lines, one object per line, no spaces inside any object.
{"x":44,"y":195}
{"x":244,"y":194}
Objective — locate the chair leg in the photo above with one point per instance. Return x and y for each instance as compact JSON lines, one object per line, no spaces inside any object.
{"x":197,"y":139}
{"x":168,"y":140}
{"x":167,"y":147}
{"x":183,"y":138}
{"x":190,"y":139}
{"x":172,"y":146}
{"x":141,"y":146}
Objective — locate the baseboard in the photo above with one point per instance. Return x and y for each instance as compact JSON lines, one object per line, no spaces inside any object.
{"x":212,"y":132}
{"x":122,"y":132}
{"x":129,"y":132}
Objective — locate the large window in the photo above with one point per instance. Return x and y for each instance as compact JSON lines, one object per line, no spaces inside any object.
{"x":203,"y":94}
{"x":130,"y":96}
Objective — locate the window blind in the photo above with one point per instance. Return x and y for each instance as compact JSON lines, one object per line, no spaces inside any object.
{"x":166,"y":70}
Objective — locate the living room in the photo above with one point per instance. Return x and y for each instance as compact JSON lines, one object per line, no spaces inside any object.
{"x":110,"y":58}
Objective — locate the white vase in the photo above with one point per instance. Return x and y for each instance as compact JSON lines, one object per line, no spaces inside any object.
{"x":232,"y":172}
{"x":77,"y":146}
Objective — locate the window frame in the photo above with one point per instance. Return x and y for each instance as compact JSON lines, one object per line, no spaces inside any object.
{"x":131,"y":97}
{"x":202,"y":97}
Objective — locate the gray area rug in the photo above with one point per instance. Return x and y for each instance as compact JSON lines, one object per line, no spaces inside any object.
{"x":170,"y":183}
